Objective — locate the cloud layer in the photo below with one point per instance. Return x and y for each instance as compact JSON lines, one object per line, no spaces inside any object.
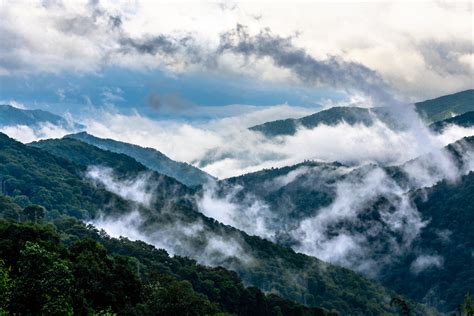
{"x":313,"y":48}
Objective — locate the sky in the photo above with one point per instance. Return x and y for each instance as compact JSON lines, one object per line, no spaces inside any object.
{"x":189,"y":77}
{"x":191,"y":60}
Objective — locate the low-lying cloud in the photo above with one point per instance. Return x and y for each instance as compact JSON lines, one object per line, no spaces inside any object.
{"x":178,"y":236}
{"x":226,"y":148}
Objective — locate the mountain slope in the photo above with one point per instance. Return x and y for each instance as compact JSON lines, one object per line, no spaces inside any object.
{"x":10,"y":115}
{"x":304,"y":191}
{"x":332,"y":116}
{"x":446,"y":106}
{"x":432,"y":110}
{"x":72,"y":267}
{"x":259,"y":262}
{"x":463,"y":120}
{"x":150,"y":158}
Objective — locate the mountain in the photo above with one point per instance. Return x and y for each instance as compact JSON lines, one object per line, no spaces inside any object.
{"x":151,"y":158}
{"x":432,"y":110}
{"x":67,"y":267}
{"x":463,"y":120}
{"x":332,"y":116}
{"x":443,"y":247}
{"x":446,"y":106}
{"x":10,"y":115}
{"x":58,"y":181}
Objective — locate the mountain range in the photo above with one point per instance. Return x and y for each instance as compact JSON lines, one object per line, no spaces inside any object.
{"x":434,"y":110}
{"x":241,"y":245}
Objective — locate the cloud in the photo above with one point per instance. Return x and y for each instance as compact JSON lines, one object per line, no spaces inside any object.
{"x":177,"y":234}
{"x":139,"y":189}
{"x":424,"y":262}
{"x":27,"y":134}
{"x":86,"y":36}
{"x":224,"y":147}
{"x":331,"y":72}
{"x":246,"y":213}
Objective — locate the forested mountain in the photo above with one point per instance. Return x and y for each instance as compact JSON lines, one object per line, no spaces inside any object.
{"x":31,"y":175}
{"x":431,"y":110}
{"x":307,"y":190}
{"x":463,"y":120}
{"x":10,"y":115}
{"x":446,"y":106}
{"x":66,"y":267}
{"x":151,"y":158}
{"x":331,"y":116}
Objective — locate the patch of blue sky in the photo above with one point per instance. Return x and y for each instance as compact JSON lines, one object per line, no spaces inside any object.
{"x":127,"y":90}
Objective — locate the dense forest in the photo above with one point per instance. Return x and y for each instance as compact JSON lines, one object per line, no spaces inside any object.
{"x":34,"y":176}
{"x":65,"y":267}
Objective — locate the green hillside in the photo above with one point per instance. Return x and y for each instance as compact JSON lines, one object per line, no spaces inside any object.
{"x":151,"y":158}
{"x":297,"y":192}
{"x":274,"y":268}
{"x":332,"y":116}
{"x":446,"y":106}
{"x":463,"y":120}
{"x":65,"y":267}
{"x":431,"y":110}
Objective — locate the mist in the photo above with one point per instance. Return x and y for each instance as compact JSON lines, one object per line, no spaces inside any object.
{"x":176,"y":234}
{"x":226,"y":148}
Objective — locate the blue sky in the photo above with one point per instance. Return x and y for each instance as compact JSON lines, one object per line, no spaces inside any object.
{"x":190,"y":57}
{"x":131,"y":90}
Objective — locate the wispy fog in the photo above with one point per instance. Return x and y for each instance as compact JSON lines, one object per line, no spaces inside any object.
{"x":177,"y":234}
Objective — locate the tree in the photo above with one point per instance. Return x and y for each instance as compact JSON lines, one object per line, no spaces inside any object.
{"x":6,"y":286}
{"x":33,"y":213}
{"x":43,"y":285}
{"x":404,"y":309}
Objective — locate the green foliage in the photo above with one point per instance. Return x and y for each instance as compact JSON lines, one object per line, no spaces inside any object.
{"x":6,"y":287}
{"x":89,"y":276}
{"x":277,"y":269}
{"x":149,"y":157}
{"x":34,"y":213}
{"x":42,"y":284}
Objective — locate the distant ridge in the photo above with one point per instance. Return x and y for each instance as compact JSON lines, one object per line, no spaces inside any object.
{"x":10,"y":115}
{"x":149,"y":157}
{"x":332,"y":116}
{"x":463,"y":120}
{"x":447,"y":106}
{"x":431,"y":110}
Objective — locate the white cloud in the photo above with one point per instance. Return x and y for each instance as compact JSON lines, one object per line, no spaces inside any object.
{"x":81,"y":37}
{"x":225,"y":147}
{"x":424,"y":262}
{"x":27,"y":134}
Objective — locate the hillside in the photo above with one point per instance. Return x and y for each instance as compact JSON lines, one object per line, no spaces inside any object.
{"x":64,"y":267}
{"x":269,"y":267}
{"x":332,"y":116}
{"x":296,"y":193}
{"x":149,"y":157}
{"x":463,"y":120}
{"x":431,"y":110}
{"x":10,"y":115}
{"x":446,"y":106}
